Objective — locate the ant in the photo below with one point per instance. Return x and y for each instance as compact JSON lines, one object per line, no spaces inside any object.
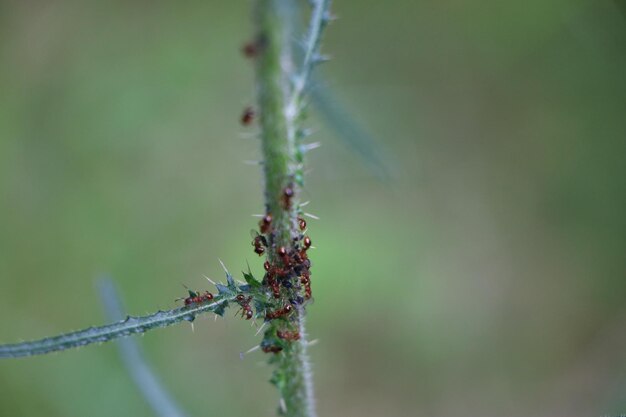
{"x":252,"y":48}
{"x":302,"y":223}
{"x":246,"y":310}
{"x":306,"y":242}
{"x":306,"y":281}
{"x":247,"y":117}
{"x":287,"y":335}
{"x":271,"y":315}
{"x":272,"y":349}
{"x":266,"y":223}
{"x":282,"y":252}
{"x":271,"y":279}
{"x":195,"y":298}
{"x":288,"y":193}
{"x":259,"y":243}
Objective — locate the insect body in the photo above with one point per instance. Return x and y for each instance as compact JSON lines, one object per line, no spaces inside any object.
{"x":271,"y":315}
{"x":196,"y":298}
{"x":266,"y":223}
{"x":246,"y":310}
{"x":247,"y":117}
{"x":259,"y":242}
{"x":272,"y":349}
{"x":287,"y":335}
{"x":288,"y":193}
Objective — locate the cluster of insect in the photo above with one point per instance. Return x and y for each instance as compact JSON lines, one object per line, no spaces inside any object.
{"x":286,"y":283}
{"x":287,"y":272}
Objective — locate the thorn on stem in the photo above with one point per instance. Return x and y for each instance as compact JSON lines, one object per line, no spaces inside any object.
{"x":313,"y":216}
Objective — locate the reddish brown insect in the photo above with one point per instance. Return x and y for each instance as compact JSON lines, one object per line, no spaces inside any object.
{"x":195,"y":298}
{"x":272,"y":349}
{"x":259,"y":243}
{"x":267,"y":266}
{"x":282,"y":252}
{"x":306,"y":242}
{"x":287,"y":335}
{"x":250,"y":49}
{"x":288,"y":193}
{"x":266,"y":223}
{"x":247,"y":117}
{"x":302,"y":223}
{"x":246,"y":310}
{"x":273,"y":284}
{"x":279,"y":313}
{"x":305,"y":280}
{"x":275,"y":289}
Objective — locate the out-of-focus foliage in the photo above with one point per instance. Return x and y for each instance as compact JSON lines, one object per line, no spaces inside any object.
{"x":485,"y":278}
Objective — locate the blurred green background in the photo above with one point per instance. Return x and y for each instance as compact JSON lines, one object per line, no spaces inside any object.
{"x":485,"y":277}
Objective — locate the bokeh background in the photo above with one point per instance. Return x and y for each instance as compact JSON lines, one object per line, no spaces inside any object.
{"x":485,"y":275}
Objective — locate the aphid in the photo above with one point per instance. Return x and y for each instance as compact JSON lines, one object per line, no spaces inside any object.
{"x":279,"y":313}
{"x":247,"y":117}
{"x":266,"y":223}
{"x":287,"y":335}
{"x":302,"y":223}
{"x":288,"y":193}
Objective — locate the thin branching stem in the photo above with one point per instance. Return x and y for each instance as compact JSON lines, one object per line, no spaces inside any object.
{"x":129,"y":326}
{"x":320,"y":16}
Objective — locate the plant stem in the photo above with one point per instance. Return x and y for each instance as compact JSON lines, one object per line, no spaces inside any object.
{"x":275,"y":70}
{"x":129,"y":326}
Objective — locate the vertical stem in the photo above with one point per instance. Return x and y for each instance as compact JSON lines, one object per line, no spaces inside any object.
{"x":275,"y":71}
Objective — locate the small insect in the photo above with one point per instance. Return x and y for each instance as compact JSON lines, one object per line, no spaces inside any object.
{"x":271,"y":349}
{"x":287,"y":335}
{"x":259,"y":242}
{"x":250,"y":49}
{"x":302,"y":223}
{"x":275,"y":288}
{"x":306,"y":242}
{"x":195,"y":297}
{"x":266,"y":223}
{"x":267,"y":266}
{"x":274,"y":285}
{"x":247,"y":117}
{"x":246,"y":310}
{"x":305,"y":280}
{"x":288,"y":193}
{"x":253,"y":48}
{"x":282,"y":252}
{"x":279,"y":313}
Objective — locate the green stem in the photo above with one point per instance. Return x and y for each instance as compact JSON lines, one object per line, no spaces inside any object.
{"x":280,"y":85}
{"x":127,"y":327}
